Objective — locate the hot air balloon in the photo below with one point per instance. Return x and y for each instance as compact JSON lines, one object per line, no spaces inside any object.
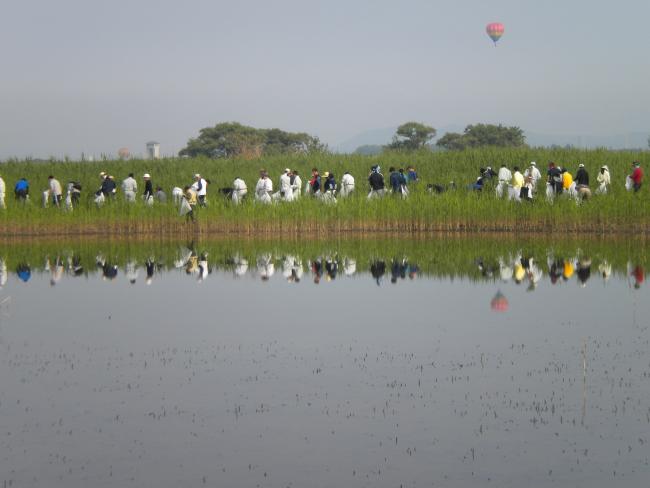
{"x":499,"y":303}
{"x":495,"y":31}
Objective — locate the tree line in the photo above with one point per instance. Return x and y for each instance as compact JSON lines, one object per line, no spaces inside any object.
{"x":232,"y":139}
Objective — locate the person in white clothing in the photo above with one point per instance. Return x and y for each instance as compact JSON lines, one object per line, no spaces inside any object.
{"x":200,"y":186}
{"x":533,"y":173}
{"x":603,"y":180}
{"x":239,"y":190}
{"x":286,"y":190}
{"x":3,"y":189}
{"x":296,"y":184}
{"x":505,"y":177}
{"x":347,"y":184}
{"x":264,"y":188}
{"x":56,"y":191}
{"x":130,"y":188}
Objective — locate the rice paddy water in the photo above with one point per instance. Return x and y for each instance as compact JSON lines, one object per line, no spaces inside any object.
{"x":445,"y":361}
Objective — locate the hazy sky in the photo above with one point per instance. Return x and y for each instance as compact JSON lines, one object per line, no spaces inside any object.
{"x":93,"y":76}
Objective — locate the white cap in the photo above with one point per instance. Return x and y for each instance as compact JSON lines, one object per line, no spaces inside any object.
{"x":533,"y":163}
{"x":287,"y":170}
{"x":581,"y":165}
{"x":197,"y":175}
{"x":146,"y":175}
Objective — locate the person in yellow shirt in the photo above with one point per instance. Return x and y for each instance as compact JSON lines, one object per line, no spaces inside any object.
{"x":567,"y":180}
{"x":517,"y":184}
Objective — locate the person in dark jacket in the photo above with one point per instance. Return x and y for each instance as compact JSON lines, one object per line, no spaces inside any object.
{"x":148,"y":189}
{"x":376,"y":181}
{"x":108,"y":187}
{"x":394,"y":179}
{"x":582,"y":177}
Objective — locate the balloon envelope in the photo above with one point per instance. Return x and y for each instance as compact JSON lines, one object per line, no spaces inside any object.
{"x":499,"y":303}
{"x":495,"y":31}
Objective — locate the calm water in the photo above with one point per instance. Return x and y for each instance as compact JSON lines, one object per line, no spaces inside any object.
{"x":286,"y":370}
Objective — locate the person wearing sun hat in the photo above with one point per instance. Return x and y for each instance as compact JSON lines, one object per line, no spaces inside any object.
{"x":603,"y":179}
{"x":147,"y":196}
{"x":533,"y":173}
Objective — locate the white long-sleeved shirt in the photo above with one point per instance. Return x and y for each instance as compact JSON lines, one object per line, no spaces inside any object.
{"x":3,"y":187}
{"x":129,"y":184}
{"x":55,"y":187}
{"x":347,"y":184}
{"x":263,"y":189}
{"x":239,"y":186}
{"x":534,"y":174}
{"x":504,"y":174}
{"x":603,"y":178}
{"x":204,"y":187}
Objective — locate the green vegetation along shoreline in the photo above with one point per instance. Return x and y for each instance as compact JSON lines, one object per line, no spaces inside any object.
{"x":460,"y":210}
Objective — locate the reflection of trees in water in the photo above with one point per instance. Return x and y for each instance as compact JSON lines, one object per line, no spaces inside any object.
{"x":519,"y":267}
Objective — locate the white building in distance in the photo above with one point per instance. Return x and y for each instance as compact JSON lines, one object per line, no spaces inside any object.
{"x":153,"y":150}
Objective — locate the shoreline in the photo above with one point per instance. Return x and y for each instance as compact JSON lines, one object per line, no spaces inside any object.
{"x":308,"y":231}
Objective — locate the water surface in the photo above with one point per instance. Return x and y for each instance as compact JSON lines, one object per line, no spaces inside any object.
{"x":324,"y":365}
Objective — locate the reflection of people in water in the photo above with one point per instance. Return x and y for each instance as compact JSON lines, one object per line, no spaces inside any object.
{"x":584,"y":270}
{"x":241,"y":265}
{"x":505,"y":270}
{"x":131,"y":270}
{"x":349,"y":266}
{"x":568,"y":269}
{"x":150,"y":267}
{"x":292,"y":269}
{"x":204,"y":269}
{"x":74,"y":265}
{"x":638,"y":273}
{"x":605,"y":270}
{"x":377,"y":270}
{"x":555,"y":270}
{"x":3,"y":273}
{"x":265,"y":266}
{"x":24,"y":272}
{"x":331,"y":267}
{"x":56,"y":270}
{"x":398,"y":269}
{"x":109,"y":271}
{"x":533,"y":273}
{"x":317,"y":269}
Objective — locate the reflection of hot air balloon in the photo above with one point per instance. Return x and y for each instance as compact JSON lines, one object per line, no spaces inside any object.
{"x":499,"y":303}
{"x":123,"y":153}
{"x":495,"y":31}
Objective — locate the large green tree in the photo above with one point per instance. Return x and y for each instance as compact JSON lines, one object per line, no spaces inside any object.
{"x":232,"y":139}
{"x":479,"y":135}
{"x":412,"y":136}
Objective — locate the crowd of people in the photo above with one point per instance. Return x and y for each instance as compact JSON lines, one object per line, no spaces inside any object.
{"x":520,"y":268}
{"x":515,"y":184}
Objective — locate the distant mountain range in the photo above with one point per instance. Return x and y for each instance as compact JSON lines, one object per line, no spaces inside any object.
{"x":628,"y":140}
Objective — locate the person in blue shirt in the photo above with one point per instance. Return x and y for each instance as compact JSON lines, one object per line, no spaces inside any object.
{"x":395,"y":181}
{"x":21,"y":190}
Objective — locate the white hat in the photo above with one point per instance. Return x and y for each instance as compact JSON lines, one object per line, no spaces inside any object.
{"x":102,"y":174}
{"x":581,"y":165}
{"x":146,"y":175}
{"x":197,"y":175}
{"x":287,"y":170}
{"x":533,"y":163}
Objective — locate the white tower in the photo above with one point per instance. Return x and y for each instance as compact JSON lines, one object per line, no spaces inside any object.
{"x":153,"y":150}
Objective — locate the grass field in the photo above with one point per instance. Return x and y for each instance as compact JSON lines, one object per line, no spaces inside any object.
{"x":460,"y":210}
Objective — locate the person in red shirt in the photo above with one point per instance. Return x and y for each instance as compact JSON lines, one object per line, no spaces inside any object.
{"x":639,"y":276}
{"x":637,"y":176}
